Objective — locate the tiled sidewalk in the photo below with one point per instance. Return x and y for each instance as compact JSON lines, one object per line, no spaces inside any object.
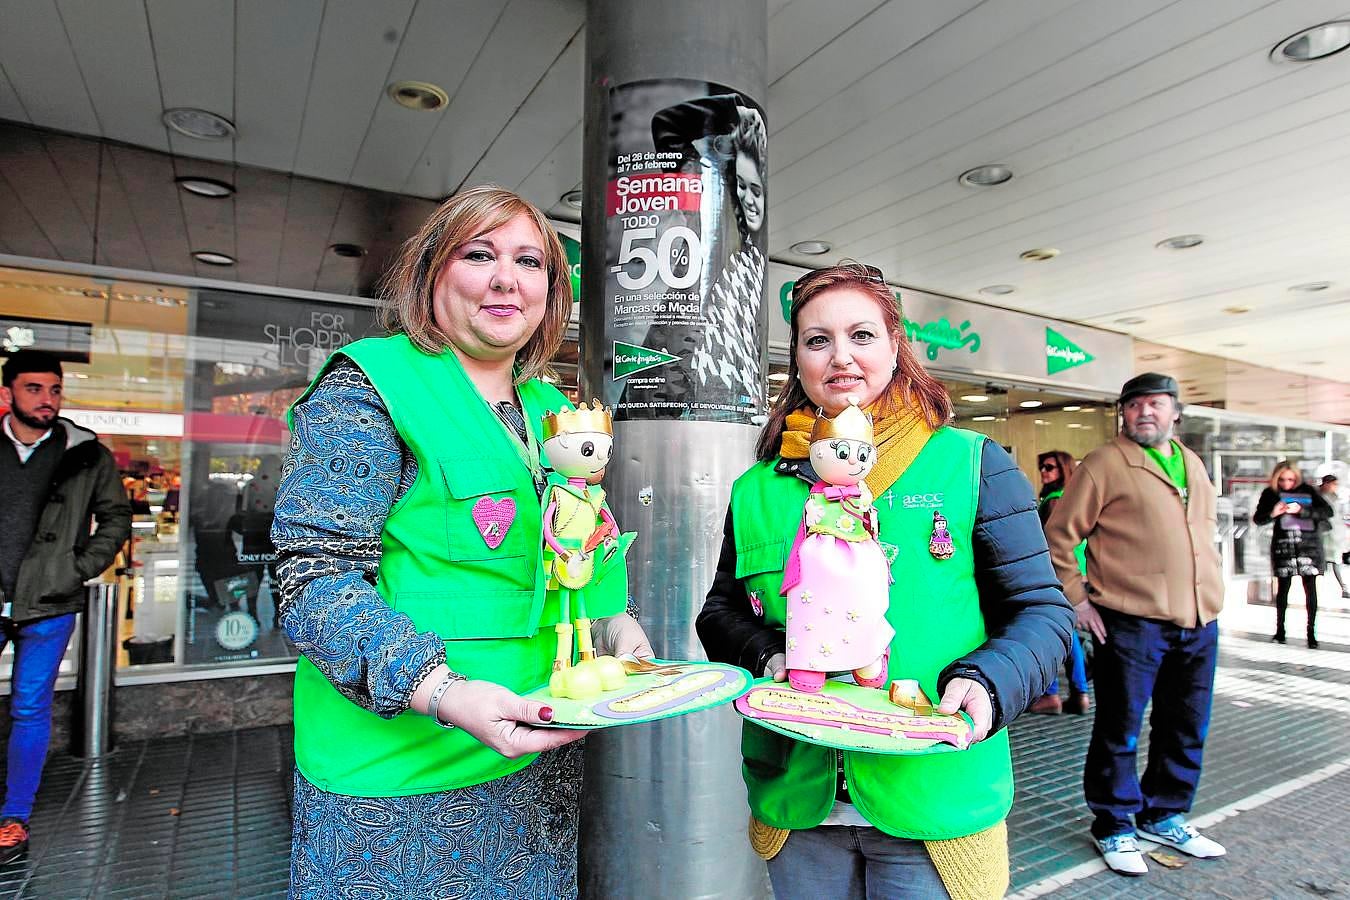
{"x":209,"y":815}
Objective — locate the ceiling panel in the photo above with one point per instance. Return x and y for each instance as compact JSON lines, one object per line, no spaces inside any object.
{"x":555,"y":175}
{"x":155,"y":205}
{"x":119,"y":236}
{"x":259,"y":217}
{"x":42,"y":68}
{"x":871,"y":44}
{"x":274,"y":56}
{"x":21,"y":232}
{"x":442,"y":41}
{"x":31,"y":173}
{"x":194,"y":55}
{"x":360,"y":219}
{"x":549,"y":114}
{"x":522,"y":48}
{"x":10,"y":107}
{"x":799,"y":30}
{"x":111,"y":39}
{"x":357,"y":44}
{"x":311,"y":209}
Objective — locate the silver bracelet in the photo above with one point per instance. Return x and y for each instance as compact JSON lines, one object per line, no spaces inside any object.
{"x":433,"y":707}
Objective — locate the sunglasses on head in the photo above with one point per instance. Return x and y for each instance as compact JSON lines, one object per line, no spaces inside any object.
{"x":869,"y":273}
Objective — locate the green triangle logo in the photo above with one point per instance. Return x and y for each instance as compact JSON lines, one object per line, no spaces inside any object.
{"x":1062,"y":353}
{"x":630,"y":358}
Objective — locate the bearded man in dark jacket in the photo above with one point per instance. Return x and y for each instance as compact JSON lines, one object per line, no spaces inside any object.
{"x":54,"y":476}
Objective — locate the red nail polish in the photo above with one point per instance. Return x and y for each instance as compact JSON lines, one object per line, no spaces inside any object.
{"x":546,"y":714}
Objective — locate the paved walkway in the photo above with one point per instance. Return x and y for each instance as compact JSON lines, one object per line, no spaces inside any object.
{"x":208,"y":815}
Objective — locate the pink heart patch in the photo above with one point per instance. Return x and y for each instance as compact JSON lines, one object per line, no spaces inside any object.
{"x":494,"y":518}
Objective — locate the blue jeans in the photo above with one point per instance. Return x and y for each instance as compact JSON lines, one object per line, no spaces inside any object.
{"x":38,"y":648}
{"x":1144,"y":659}
{"x":841,"y":861}
{"x":1075,"y":667}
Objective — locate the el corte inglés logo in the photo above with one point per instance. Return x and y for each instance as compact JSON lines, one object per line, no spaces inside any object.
{"x":630,"y":358}
{"x":1062,"y":353}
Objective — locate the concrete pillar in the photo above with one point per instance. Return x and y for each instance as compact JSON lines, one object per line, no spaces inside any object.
{"x":664,"y":812}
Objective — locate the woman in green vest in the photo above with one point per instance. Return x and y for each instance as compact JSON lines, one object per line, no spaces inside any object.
{"x":408,"y":527}
{"x":980,"y":622}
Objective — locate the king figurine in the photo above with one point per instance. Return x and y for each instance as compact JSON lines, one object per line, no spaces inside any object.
{"x":577,"y":524}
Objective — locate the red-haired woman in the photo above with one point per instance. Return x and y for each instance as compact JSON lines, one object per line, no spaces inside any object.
{"x":978,"y":614}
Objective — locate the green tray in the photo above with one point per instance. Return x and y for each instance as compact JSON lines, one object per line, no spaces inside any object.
{"x":651,"y":696}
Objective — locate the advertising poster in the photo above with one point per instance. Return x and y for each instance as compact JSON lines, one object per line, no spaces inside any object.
{"x":685,"y":233}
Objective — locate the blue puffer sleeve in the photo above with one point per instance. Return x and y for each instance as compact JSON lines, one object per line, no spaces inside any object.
{"x":345,"y":469}
{"x":1027,"y":618}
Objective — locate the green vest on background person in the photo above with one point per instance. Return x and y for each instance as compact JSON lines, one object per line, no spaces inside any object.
{"x":488,"y":604}
{"x":935,"y":610}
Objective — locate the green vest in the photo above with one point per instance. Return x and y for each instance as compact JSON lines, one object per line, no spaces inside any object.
{"x":935,"y":610}
{"x":489,"y":605}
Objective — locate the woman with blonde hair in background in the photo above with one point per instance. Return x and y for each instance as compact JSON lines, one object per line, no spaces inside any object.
{"x":1295,"y":508}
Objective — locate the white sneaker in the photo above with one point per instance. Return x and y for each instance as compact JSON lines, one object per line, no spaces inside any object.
{"x":1121,"y":852}
{"x":1174,"y":831}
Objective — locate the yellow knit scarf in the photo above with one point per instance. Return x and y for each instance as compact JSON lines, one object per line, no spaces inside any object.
{"x":899,"y":438}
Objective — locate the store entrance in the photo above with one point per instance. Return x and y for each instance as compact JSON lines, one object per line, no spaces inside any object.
{"x":1029,"y":421}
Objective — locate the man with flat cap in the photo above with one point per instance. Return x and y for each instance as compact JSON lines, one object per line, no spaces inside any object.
{"x":1151,"y":599}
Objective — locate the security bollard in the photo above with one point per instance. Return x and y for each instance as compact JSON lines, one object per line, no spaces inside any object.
{"x":96,"y":668}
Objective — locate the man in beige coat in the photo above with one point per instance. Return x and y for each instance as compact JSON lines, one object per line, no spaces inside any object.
{"x":1154,"y":586}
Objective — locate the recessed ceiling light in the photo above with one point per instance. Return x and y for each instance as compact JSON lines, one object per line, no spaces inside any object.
{"x":1149,"y":357}
{"x":984,"y":418}
{"x":348,"y":251}
{"x":418,"y":95}
{"x":1030,"y":404}
{"x":1072,"y":408}
{"x":1233,"y":344}
{"x":198,"y":123}
{"x":212,"y":258}
{"x":998,"y":290}
{"x":1310,"y":287}
{"x":572,"y":199}
{"x":1181,"y":242}
{"x":1131,"y":320}
{"x":210,"y":187}
{"x":1075,"y":425}
{"x":974,"y":398}
{"x":811,"y":248}
{"x":986,"y":176}
{"x":1310,"y":44}
{"x":1039,"y":254}
{"x":1237,"y":310}
{"x":1315,"y":362}
{"x":1042,"y":421}
{"x":778,"y":376}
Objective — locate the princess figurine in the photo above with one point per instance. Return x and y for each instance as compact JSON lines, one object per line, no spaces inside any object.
{"x":837,"y":581}
{"x":577,"y":524}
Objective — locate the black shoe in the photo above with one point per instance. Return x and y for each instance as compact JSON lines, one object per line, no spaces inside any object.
{"x":13,"y":840}
{"x":1278,"y":638}
{"x":1312,"y":643}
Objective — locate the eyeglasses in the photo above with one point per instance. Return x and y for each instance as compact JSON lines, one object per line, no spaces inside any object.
{"x":847,"y":269}
{"x":1048,"y":466}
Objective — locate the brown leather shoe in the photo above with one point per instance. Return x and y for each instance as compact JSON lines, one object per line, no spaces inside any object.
{"x":1079,"y":703}
{"x":1048,"y":705}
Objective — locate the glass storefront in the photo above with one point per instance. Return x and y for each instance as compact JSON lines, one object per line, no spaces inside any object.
{"x":188,"y":387}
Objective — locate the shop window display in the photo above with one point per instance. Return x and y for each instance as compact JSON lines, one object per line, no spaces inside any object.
{"x":189,"y":389}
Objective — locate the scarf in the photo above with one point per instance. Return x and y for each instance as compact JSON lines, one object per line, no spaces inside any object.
{"x":899,"y":438}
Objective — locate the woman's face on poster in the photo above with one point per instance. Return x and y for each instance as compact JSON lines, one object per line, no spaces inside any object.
{"x":750,"y":192}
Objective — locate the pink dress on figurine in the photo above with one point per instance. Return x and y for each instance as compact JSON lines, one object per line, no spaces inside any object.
{"x":837,"y":584}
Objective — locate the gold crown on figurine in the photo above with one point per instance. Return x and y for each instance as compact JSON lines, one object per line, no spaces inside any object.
{"x":852,"y":424}
{"x":584,"y":418}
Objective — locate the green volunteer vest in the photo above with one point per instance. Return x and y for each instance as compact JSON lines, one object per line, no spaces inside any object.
{"x":489,"y":605}
{"x":935,"y":610}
